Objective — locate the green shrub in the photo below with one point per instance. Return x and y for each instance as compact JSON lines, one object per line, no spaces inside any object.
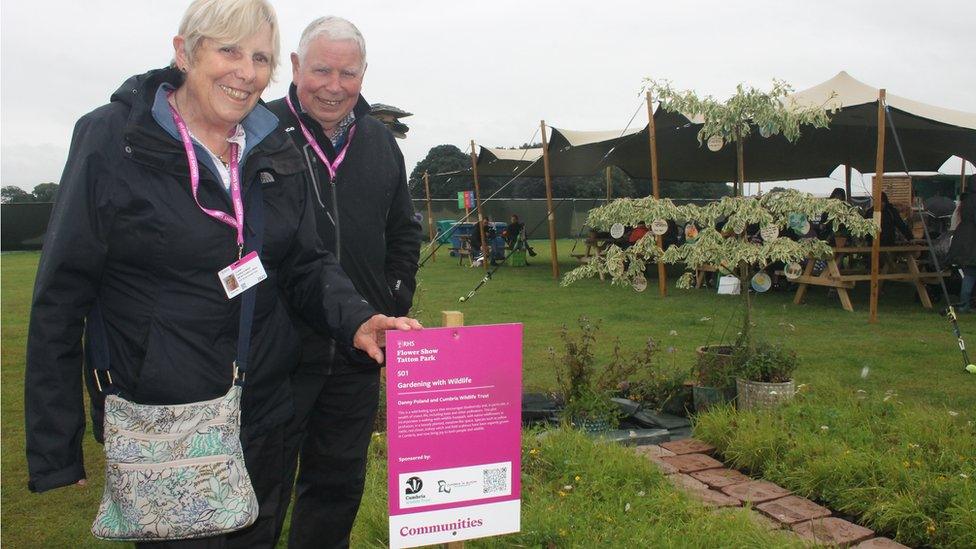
{"x":766,"y":363}
{"x":908,"y":472}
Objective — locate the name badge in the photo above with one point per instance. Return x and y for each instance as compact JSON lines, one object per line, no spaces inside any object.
{"x":242,"y":274}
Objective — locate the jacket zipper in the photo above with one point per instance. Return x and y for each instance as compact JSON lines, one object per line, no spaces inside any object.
{"x":311,"y":163}
{"x":335,"y":213}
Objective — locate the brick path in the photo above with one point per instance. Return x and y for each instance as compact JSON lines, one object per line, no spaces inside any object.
{"x":688,"y":465}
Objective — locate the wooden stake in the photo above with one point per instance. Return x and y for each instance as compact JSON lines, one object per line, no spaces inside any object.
{"x":876,"y":200}
{"x":430,"y":217}
{"x":847,"y":181}
{"x":610,"y":185}
{"x":485,"y":245}
{"x":662,"y":274}
{"x":551,"y":214}
{"x":451,"y":319}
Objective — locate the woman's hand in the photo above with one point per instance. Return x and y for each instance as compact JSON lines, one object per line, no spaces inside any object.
{"x":370,"y":336}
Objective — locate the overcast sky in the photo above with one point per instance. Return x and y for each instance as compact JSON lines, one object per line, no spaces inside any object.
{"x":489,"y":71}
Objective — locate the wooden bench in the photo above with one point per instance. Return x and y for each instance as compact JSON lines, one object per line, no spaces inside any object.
{"x":891,"y":269}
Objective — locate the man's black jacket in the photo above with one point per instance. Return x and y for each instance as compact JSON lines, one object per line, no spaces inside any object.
{"x":364,"y":216}
{"x":126,"y":232}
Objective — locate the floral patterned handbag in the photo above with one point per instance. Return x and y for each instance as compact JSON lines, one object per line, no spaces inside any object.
{"x":176,"y":471}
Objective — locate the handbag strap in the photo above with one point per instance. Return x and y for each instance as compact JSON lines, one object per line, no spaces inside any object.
{"x":254,"y":241}
{"x":97,"y":348}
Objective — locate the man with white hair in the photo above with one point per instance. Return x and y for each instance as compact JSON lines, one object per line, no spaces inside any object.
{"x":365,"y":217}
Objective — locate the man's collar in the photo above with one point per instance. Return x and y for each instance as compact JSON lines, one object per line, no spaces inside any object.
{"x":361,"y":109}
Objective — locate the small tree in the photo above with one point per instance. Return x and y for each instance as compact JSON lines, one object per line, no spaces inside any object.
{"x":732,"y":244}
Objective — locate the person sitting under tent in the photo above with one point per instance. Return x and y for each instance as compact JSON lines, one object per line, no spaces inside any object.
{"x":515,"y":235}
{"x":637,"y":233}
{"x":962,"y":251}
{"x":825,"y":230}
{"x":891,"y":221}
{"x":476,"y":243}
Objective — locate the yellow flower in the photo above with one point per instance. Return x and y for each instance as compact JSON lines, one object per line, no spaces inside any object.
{"x":562,"y":494}
{"x":931,"y":528}
{"x":534,"y":451}
{"x":562,"y":532}
{"x":577,"y":478}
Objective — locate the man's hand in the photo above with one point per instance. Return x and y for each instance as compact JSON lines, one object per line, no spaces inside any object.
{"x":370,"y":335}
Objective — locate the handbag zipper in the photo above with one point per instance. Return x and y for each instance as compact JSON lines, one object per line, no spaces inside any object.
{"x":205,"y":460}
{"x":164,"y":436}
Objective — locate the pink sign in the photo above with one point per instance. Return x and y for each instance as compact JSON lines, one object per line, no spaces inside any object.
{"x":454,"y":407}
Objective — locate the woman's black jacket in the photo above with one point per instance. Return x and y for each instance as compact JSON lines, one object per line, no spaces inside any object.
{"x":126,"y":232}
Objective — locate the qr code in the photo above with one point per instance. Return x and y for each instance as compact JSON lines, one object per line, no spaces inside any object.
{"x":495,"y":480}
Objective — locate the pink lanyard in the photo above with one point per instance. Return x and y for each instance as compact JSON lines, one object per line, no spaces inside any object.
{"x":237,"y":222}
{"x":333,"y":168}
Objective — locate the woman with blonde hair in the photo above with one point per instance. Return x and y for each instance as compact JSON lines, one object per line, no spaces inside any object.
{"x":182,"y":235}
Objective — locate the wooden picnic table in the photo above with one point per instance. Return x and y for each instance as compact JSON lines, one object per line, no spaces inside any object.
{"x":898,"y":263}
{"x":596,"y":245}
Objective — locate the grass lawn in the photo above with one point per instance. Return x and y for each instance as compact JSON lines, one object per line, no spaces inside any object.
{"x":910,"y":353}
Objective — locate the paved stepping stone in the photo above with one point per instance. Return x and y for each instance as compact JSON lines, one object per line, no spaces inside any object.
{"x":719,"y":478}
{"x":832,"y":531}
{"x":689,"y":446}
{"x":699,"y":491}
{"x":714,"y":498}
{"x":793,"y":509}
{"x":690,"y":463}
{"x":764,"y":521}
{"x":686,"y":483}
{"x":756,"y":491}
{"x":879,"y":543}
{"x":664,"y":466}
{"x":653,"y":450}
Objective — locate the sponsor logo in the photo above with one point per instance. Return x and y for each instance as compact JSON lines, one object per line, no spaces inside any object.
{"x":414,"y":485}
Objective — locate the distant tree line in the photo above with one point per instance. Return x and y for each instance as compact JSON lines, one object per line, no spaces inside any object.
{"x":448,"y":158}
{"x":45,"y":192}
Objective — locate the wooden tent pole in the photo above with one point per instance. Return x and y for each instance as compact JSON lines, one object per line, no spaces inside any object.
{"x":662,"y":274}
{"x":485,"y":245}
{"x":550,"y":213}
{"x":878,"y":207}
{"x":610,"y":185}
{"x":430,"y":217}
{"x":962,"y":176}
{"x":847,"y":182}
